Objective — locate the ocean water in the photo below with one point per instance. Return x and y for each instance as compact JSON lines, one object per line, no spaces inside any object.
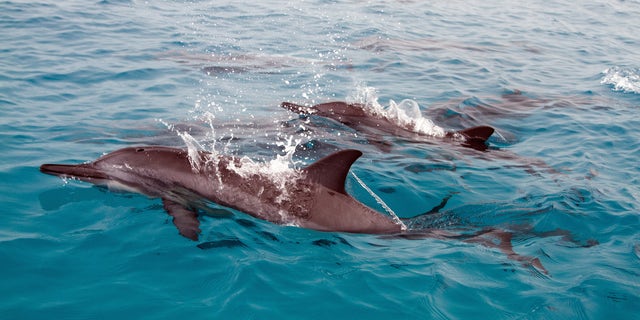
{"x":559,"y":80}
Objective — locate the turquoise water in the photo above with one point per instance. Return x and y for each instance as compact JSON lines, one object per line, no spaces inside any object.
{"x":78,"y":79}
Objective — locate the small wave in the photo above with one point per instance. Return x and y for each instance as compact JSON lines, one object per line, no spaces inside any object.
{"x":622,"y":79}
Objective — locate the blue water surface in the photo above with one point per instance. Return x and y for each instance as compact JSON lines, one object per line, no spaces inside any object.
{"x":559,"y":80}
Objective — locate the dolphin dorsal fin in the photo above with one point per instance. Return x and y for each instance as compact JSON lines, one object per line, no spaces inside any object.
{"x":331,"y":171}
{"x":481,"y":133}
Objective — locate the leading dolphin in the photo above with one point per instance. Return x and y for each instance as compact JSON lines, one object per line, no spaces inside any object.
{"x":313,"y":197}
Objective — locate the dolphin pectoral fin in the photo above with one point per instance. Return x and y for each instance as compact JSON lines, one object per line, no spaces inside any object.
{"x":184,"y":219}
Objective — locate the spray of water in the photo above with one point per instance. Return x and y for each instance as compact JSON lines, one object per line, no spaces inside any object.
{"x":381,"y":202}
{"x":281,"y":170}
{"x":278,"y":171}
{"x":406,"y":114}
{"x":193,"y":146}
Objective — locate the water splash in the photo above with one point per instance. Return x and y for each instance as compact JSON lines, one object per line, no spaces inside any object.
{"x":381,"y":202}
{"x":193,"y":145}
{"x":276,"y":168}
{"x":193,"y":149}
{"x":406,"y":114}
{"x":622,"y":79}
{"x":278,"y":171}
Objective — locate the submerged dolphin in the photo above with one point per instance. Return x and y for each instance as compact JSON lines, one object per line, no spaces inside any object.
{"x":313,"y":198}
{"x":356,"y":116}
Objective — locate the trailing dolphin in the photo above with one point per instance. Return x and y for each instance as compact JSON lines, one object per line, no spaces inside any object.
{"x":375,"y":125}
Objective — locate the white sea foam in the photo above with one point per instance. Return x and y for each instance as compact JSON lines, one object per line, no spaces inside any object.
{"x":622,"y":79}
{"x":279,"y":170}
{"x":406,"y":114}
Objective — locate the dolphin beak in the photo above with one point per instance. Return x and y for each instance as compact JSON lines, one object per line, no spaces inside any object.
{"x":80,"y":171}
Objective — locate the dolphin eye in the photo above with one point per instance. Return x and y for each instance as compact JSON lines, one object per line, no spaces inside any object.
{"x":140,"y":150}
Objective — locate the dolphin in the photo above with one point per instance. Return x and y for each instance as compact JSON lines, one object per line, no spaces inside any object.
{"x":313,"y":197}
{"x":375,"y":126}
{"x":356,"y":116}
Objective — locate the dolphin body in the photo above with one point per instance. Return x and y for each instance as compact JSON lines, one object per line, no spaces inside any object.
{"x":314,"y":198}
{"x":375,"y":127}
{"x":354,"y":115}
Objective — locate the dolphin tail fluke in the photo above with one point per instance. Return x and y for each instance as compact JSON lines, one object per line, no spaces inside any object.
{"x":84,"y":171}
{"x":501,"y":239}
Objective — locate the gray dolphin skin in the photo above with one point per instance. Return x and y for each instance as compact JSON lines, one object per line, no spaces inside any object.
{"x":354,"y":115}
{"x":315,"y":198}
